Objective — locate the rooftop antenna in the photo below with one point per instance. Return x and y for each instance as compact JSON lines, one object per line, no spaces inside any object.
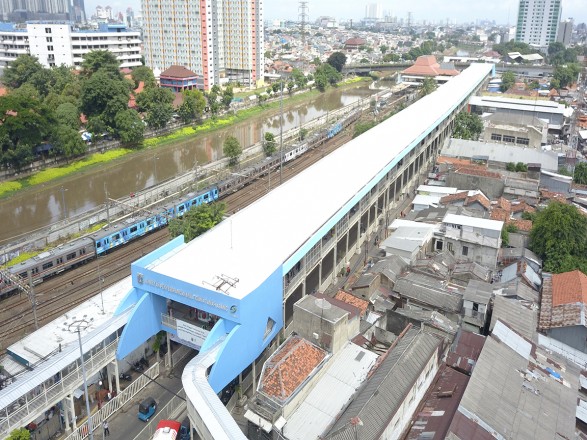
{"x":303,"y":8}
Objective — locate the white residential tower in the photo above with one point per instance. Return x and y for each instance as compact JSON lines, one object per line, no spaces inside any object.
{"x":538,"y":22}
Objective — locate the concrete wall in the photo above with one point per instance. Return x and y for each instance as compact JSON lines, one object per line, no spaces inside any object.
{"x":487,"y":256}
{"x":491,"y":187}
{"x":574,"y":336}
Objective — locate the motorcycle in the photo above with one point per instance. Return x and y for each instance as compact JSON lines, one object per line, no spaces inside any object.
{"x":144,"y":362}
{"x":125,"y":376}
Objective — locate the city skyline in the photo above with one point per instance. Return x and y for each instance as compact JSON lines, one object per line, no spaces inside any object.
{"x":502,"y":11}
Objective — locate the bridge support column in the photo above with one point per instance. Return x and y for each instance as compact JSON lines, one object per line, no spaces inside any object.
{"x":65,"y":410}
{"x":72,"y":406}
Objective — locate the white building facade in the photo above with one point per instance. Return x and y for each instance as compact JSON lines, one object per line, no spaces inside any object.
{"x":219,"y":40}
{"x":538,"y":22}
{"x":55,"y":44}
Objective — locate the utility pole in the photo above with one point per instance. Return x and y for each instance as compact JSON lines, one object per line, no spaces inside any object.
{"x":63,"y":202}
{"x":107,"y":206}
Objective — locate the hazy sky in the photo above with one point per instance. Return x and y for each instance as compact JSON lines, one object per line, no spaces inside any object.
{"x":502,"y":11}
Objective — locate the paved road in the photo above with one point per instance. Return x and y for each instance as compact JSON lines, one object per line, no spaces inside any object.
{"x":125,"y":425}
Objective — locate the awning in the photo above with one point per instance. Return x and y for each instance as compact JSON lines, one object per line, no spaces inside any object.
{"x":258,"y":420}
{"x":78,"y":393}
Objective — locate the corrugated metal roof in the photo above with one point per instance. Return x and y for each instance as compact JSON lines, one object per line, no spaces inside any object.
{"x":475,"y":222}
{"x":386,"y":389}
{"x":522,"y":316}
{"x":427,"y":290}
{"x":513,"y":396}
{"x":319,"y":409}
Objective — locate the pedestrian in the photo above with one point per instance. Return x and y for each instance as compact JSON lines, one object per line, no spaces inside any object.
{"x":348,"y":271}
{"x":106,"y":428}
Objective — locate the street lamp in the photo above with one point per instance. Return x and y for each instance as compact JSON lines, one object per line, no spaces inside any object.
{"x":63,"y":202}
{"x":281,"y":132}
{"x":77,"y":326}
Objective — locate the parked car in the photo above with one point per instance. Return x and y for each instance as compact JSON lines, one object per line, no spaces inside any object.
{"x":147,"y":408}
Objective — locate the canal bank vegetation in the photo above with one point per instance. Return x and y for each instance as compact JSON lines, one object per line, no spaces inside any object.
{"x":53,"y":113}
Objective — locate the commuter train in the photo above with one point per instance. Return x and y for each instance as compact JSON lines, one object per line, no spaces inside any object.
{"x":82,"y":250}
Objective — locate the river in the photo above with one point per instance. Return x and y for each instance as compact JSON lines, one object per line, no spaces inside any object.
{"x":41,"y":206}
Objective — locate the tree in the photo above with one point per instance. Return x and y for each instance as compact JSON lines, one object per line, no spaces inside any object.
{"x":129,"y":127}
{"x":144,"y":74}
{"x":227,"y":96}
{"x":566,"y":75}
{"x":467,"y":126}
{"x":68,"y":142}
{"x":290,"y":86}
{"x":197,"y":220}
{"x":267,"y":54}
{"x":159,"y":115}
{"x":521,"y":167}
{"x":276,"y":86}
{"x":20,"y":434}
{"x":67,"y":114}
{"x":232,"y":150}
{"x":104,"y":60}
{"x":559,"y":237}
{"x":269,"y":146}
{"x":303,"y":133}
{"x":21,"y":70}
{"x":428,"y":86}
{"x":362,"y":127}
{"x":299,"y":78}
{"x":153,"y":96}
{"x":104,"y":96}
{"x":580,"y":174}
{"x":326,"y":74}
{"x":383,"y":48}
{"x":508,"y":79}
{"x":337,"y":60}
{"x":193,"y":105}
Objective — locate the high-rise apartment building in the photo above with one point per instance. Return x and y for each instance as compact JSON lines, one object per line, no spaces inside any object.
{"x":25,"y":10}
{"x":565,"y":32}
{"x":57,"y":43}
{"x":538,"y":22}
{"x":219,"y":40}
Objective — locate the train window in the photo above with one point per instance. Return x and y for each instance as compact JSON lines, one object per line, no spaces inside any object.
{"x":70,"y":256}
{"x":133,"y":229}
{"x":116,"y":237}
{"x":35,"y":271}
{"x":59,"y":260}
{"x":205,"y":196}
{"x":181,"y":208}
{"x":149,"y":222}
{"x":47,"y":265}
{"x":82,"y":251}
{"x":98,"y":244}
{"x":23,"y":275}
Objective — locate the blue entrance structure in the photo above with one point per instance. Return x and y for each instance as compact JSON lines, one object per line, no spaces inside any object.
{"x":249,"y":270}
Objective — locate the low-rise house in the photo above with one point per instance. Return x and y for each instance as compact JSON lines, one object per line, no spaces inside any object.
{"x":562,"y":309}
{"x":476,"y":306}
{"x":472,"y":239}
{"x":426,"y":66}
{"x":410,"y":240}
{"x":389,"y":269}
{"x":511,"y":255}
{"x":521,"y":315}
{"x":417,"y":291}
{"x":465,"y":351}
{"x":383,"y":407}
{"x":462,"y":273}
{"x":518,"y":390}
{"x":522,"y":270}
{"x":178,"y":79}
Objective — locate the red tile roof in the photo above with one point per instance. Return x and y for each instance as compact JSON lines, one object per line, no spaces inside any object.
{"x":478,"y":171}
{"x":453,"y":161}
{"x":288,"y":367}
{"x":569,"y":288}
{"x":522,"y":225}
{"x":454,"y":197}
{"x":550,"y":195}
{"x":499,"y":214}
{"x":177,"y":72}
{"x":427,"y":65}
{"x":480,"y":198}
{"x":359,"y":303}
{"x":504,"y":204}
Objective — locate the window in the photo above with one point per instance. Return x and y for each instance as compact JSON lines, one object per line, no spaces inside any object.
{"x":510,"y":139}
{"x":49,"y":39}
{"x":496,"y":137}
{"x":50,"y":48}
{"x":465,"y":250}
{"x":47,"y":30}
{"x":47,"y":265}
{"x":522,"y":141}
{"x":449,"y":247}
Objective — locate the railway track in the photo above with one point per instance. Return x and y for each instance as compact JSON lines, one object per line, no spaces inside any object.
{"x":69,"y":289}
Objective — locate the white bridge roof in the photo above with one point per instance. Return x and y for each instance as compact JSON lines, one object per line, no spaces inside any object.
{"x":256,"y":241}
